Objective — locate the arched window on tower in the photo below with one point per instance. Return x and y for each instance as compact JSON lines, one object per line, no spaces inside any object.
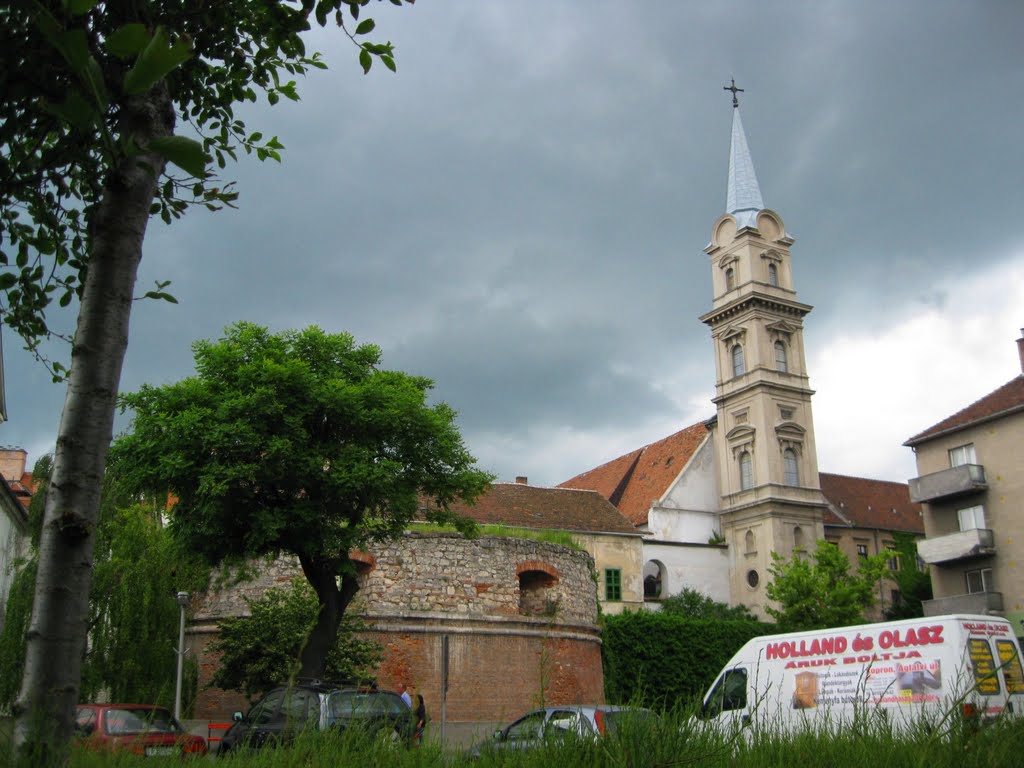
{"x":730,"y":279}
{"x":792,"y":468}
{"x":773,"y":276}
{"x":749,"y":543}
{"x":739,"y":366}
{"x":798,"y":540}
{"x":746,"y":471}
{"x":781,"y":360}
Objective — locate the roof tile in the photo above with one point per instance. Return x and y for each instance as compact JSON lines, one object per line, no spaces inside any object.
{"x":1009,"y":397}
{"x":528,"y":506}
{"x":638,"y":479}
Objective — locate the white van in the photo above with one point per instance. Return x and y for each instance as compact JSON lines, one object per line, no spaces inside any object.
{"x":907,"y":672}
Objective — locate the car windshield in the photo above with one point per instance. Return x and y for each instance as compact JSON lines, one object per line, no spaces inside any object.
{"x":348,"y":704}
{"x":627,"y":718}
{"x":123,"y":721}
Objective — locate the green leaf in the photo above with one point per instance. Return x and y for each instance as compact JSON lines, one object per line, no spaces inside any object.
{"x":365,"y":60}
{"x":79,"y":7}
{"x":365,"y":27}
{"x":7,"y":280}
{"x":184,"y":152}
{"x":127,"y":41}
{"x":75,"y":110}
{"x":389,"y":62}
{"x":161,"y":295}
{"x":156,"y":61}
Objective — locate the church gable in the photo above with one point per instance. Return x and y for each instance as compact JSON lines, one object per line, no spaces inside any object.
{"x":640,"y":479}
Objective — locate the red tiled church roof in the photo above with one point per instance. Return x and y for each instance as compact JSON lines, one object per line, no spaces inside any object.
{"x":865,"y":503}
{"x":527,"y":506}
{"x":1005,"y":400}
{"x":632,"y":482}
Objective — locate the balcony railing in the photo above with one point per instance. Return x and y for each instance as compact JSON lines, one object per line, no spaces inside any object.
{"x":963,"y":545}
{"x":984,"y":603}
{"x":955,"y":481}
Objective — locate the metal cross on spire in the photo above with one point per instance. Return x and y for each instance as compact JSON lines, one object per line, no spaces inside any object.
{"x":735,"y":90}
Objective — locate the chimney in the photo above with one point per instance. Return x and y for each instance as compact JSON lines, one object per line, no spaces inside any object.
{"x":1020,"y":349}
{"x":12,"y":463}
{"x":521,"y":479}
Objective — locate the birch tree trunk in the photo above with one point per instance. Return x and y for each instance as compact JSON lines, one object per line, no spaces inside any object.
{"x":56,"y":639}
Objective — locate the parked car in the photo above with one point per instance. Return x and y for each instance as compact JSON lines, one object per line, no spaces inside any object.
{"x":142,"y":729}
{"x":287,"y":710}
{"x":568,"y":721}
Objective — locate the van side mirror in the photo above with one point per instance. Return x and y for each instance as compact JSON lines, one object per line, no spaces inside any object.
{"x":498,"y":735}
{"x":238,"y":717}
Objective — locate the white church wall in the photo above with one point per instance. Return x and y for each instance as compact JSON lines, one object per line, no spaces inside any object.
{"x":695,"y":487}
{"x":704,"y":568}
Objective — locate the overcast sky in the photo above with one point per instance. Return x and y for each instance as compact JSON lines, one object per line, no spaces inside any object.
{"x":520,"y":214}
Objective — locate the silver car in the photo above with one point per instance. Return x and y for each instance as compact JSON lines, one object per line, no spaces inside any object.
{"x":569,"y":720}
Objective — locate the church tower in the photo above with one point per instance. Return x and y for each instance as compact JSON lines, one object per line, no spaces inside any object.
{"x":763,"y":433}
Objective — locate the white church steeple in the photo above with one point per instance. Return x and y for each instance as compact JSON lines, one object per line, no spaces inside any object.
{"x":770,"y":497}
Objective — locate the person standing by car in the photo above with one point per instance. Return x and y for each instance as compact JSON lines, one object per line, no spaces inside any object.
{"x":404,"y":693}
{"x":421,"y":720}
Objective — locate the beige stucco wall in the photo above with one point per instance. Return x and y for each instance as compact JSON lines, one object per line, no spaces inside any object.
{"x":624,"y":553}
{"x":999,"y":448}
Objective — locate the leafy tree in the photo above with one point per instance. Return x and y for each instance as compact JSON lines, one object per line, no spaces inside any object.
{"x":296,"y":443}
{"x":92,"y":93}
{"x":258,"y":650}
{"x":133,"y":613}
{"x":914,"y":584}
{"x":133,"y":609}
{"x":693,"y":604}
{"x":821,"y":592}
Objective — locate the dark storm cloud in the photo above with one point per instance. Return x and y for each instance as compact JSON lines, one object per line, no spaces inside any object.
{"x":519,"y":213}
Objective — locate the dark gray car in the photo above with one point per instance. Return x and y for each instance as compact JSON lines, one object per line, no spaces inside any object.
{"x":567,"y":721}
{"x":284,"y":712}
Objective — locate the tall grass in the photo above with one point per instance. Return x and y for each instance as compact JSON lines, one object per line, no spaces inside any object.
{"x":675,"y":740}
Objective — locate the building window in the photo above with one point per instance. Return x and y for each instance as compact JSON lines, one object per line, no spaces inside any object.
{"x":971,"y":518}
{"x":613,"y":584}
{"x":798,"y":538}
{"x":750,"y":545}
{"x":791,"y":467}
{"x":730,"y":279}
{"x":979,"y":580}
{"x":862,"y":550}
{"x":746,"y":471}
{"x":753,"y":579}
{"x":773,"y":276}
{"x":962,"y":454}
{"x":738,"y":364}
{"x":781,"y":363}
{"x":653,"y":579}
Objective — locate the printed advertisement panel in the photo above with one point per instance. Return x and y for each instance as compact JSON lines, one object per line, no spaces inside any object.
{"x":983,"y":664}
{"x":1010,"y":662}
{"x":885,"y":682}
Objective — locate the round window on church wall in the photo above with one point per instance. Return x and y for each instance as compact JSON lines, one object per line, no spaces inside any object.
{"x":753,"y":579}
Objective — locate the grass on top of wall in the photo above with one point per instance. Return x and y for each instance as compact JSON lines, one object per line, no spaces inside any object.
{"x":506,"y":531}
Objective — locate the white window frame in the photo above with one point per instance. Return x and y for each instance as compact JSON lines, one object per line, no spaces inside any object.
{"x":962,"y":454}
{"x":781,"y":357}
{"x":982,"y":575}
{"x":792,"y":467}
{"x":971,"y":518}
{"x":739,"y":361}
{"x":746,"y":471}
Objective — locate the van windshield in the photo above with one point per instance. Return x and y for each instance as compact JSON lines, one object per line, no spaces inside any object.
{"x":730,"y":692}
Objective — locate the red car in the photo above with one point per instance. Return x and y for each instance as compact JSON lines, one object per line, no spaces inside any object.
{"x":139,"y":728}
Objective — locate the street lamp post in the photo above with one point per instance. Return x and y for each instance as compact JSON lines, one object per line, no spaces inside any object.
{"x":183,"y":602}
